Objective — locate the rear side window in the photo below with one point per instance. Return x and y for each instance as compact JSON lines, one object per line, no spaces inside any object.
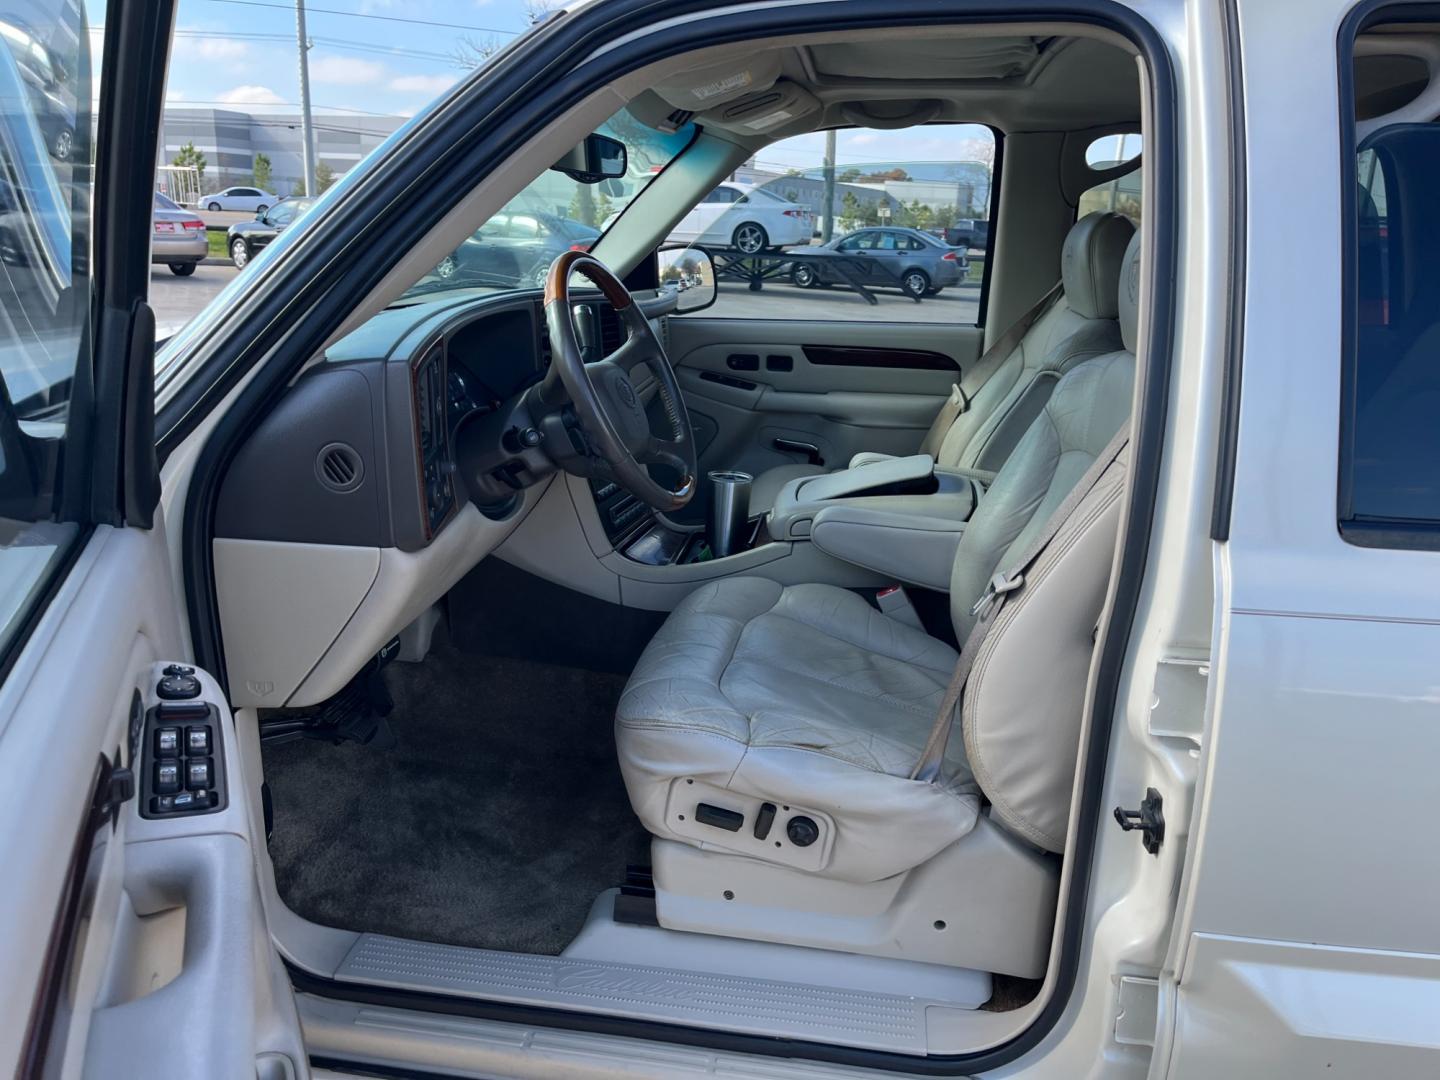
{"x":1390,"y":436}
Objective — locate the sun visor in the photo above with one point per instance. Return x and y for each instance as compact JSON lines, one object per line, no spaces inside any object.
{"x":703,"y":89}
{"x":772,"y":108}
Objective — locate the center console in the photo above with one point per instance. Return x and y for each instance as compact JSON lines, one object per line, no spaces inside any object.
{"x":643,"y":536}
{"x":901,"y":518}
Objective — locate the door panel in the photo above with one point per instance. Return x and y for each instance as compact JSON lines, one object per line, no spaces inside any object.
{"x":842,"y":387}
{"x":133,"y":942}
{"x":162,"y":966}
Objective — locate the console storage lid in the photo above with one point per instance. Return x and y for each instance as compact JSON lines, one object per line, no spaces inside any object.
{"x":915,"y":548}
{"x":903,"y":486}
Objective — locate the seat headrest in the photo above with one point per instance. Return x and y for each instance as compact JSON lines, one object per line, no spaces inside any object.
{"x":1090,"y":263}
{"x":1129,"y":297}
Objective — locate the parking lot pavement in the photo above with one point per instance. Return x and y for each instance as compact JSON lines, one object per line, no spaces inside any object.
{"x":781,"y":300}
{"x":177,"y":300}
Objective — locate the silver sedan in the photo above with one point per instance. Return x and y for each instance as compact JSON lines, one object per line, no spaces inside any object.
{"x":177,"y":237}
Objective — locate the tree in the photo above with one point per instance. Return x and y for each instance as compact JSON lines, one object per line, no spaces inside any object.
{"x":849,"y":176}
{"x":188,"y":157}
{"x":880,"y":176}
{"x":261,"y":175}
{"x":297,"y":189}
{"x":471,"y":51}
{"x":324,"y":177}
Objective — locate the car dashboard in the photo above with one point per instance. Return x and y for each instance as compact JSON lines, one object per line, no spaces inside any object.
{"x":361,"y":450}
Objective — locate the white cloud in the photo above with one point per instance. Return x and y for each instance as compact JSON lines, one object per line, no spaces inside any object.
{"x":250,"y":95}
{"x":221,"y":49}
{"x":422,"y":84}
{"x":346,"y":70}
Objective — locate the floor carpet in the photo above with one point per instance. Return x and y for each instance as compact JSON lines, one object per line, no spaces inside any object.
{"x":493,"y":822}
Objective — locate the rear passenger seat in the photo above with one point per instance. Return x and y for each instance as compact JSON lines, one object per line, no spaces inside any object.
{"x":1081,"y":323}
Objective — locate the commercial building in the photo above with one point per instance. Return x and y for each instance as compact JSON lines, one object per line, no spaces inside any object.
{"x":231,"y":137}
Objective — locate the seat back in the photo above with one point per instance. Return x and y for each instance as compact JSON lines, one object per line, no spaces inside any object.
{"x":1081,"y":324}
{"x":1023,"y":705}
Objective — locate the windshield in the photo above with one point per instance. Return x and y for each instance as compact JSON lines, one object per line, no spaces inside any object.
{"x":515,"y":246}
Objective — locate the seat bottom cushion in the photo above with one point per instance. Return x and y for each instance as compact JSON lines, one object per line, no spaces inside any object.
{"x":804,"y":695}
{"x":768,"y":484}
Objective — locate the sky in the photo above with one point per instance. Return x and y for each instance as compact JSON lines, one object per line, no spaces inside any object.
{"x":379,"y":56}
{"x":391,"y":57}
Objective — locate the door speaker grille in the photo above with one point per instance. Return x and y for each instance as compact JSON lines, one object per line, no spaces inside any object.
{"x":339,"y":467}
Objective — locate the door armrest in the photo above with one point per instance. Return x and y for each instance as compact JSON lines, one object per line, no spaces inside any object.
{"x":912,"y":548}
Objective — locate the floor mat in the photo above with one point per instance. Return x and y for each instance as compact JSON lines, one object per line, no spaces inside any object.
{"x":494,"y":821}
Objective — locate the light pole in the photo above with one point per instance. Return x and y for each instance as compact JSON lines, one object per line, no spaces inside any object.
{"x":307,"y":127}
{"x":828,"y":229}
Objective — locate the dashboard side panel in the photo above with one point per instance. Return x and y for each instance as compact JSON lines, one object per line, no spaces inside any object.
{"x":276,"y":489}
{"x":281,"y":606}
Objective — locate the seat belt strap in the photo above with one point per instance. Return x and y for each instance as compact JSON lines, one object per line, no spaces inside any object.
{"x":987,"y":609}
{"x":979,"y":374}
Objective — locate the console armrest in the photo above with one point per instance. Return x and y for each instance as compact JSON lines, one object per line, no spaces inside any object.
{"x":908,"y":547}
{"x":800,"y":499}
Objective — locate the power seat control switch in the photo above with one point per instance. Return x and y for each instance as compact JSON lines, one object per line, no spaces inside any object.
{"x":718,"y":817}
{"x":183,"y":773}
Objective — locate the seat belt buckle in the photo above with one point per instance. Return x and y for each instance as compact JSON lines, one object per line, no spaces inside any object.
{"x":894,"y":603}
{"x":1000,"y":585}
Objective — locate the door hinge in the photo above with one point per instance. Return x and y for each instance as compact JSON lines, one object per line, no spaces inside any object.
{"x":1148,"y":819}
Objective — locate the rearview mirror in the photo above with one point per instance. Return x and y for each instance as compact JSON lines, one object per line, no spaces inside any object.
{"x":691,"y":273}
{"x":598,"y":158}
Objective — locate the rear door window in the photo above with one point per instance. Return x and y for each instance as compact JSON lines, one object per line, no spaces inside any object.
{"x":1390,"y":436}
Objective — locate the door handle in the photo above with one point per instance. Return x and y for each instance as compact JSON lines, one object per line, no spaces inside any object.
{"x":795,"y":446}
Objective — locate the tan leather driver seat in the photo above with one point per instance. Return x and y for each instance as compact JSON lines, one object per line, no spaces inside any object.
{"x":1080,"y":324}
{"x":757,"y":704}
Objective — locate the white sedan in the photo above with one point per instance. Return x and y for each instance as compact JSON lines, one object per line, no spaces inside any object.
{"x":250,"y":199}
{"x":745,"y":218}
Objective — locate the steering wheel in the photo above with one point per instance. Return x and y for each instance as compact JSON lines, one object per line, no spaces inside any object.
{"x":614,"y":422}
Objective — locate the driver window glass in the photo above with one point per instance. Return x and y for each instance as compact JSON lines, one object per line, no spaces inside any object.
{"x":46,"y":193}
{"x":779,"y":255}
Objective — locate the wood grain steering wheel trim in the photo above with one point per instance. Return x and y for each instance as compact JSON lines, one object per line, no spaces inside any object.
{"x":557,"y":281}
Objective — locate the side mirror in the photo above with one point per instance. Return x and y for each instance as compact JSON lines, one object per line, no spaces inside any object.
{"x":691,"y":273}
{"x":260,"y":214}
{"x":598,"y":158}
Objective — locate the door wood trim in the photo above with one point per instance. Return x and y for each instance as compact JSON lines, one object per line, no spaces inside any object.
{"x":879,"y":357}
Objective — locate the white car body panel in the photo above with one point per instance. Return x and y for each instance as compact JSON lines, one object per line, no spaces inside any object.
{"x":713,"y":224}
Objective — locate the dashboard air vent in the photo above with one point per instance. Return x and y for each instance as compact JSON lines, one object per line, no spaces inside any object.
{"x":612,"y":330}
{"x":339,"y":467}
